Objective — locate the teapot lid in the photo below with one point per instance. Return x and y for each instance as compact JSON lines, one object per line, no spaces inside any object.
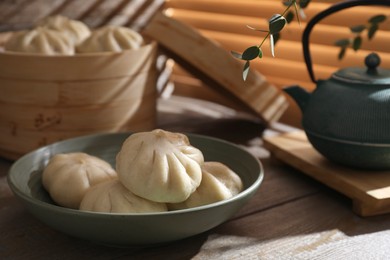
{"x":369,"y":75}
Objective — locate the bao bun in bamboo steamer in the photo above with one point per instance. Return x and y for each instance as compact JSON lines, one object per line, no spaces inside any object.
{"x":47,"y":97}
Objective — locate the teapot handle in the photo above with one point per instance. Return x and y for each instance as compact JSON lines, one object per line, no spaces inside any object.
{"x":334,"y":8}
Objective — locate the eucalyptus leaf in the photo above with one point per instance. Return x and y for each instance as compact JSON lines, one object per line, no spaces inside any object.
{"x":357,"y":43}
{"x":245,"y":71}
{"x":377,"y":18}
{"x":272,"y":45}
{"x":372,"y":30}
{"x":251,"y":53}
{"x":289,"y":16}
{"x":358,"y":28}
{"x":276,"y":37}
{"x":342,"y":42}
{"x":236,"y":55}
{"x":304,"y":3}
{"x":276,"y":23}
{"x":255,"y":29}
{"x":260,"y":53}
{"x":342,"y":53}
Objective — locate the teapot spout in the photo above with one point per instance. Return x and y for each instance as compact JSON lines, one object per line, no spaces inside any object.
{"x":299,"y":94}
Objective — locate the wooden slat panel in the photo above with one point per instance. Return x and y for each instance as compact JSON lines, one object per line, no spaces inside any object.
{"x":219,"y":68}
{"x":8,"y":8}
{"x":225,"y":22}
{"x":189,"y":86}
{"x":145,"y":13}
{"x":23,"y":15}
{"x":267,"y":8}
{"x":324,"y":34}
{"x":76,"y":9}
{"x":292,"y":51}
{"x":97,"y":17}
{"x":182,"y":76}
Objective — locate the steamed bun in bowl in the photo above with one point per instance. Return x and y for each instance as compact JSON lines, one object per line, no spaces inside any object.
{"x":160,"y":166}
{"x":113,"y":197}
{"x":131,"y":229}
{"x":219,"y":182}
{"x":67,"y":177}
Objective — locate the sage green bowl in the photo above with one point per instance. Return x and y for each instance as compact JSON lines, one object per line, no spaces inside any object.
{"x":131,"y":229}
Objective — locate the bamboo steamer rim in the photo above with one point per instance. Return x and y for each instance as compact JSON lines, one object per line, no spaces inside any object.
{"x":88,"y":66}
{"x":76,"y":54}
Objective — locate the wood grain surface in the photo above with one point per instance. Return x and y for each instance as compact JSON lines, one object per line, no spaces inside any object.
{"x":23,"y":14}
{"x":214,"y":65}
{"x":369,"y":190}
{"x":290,"y":217}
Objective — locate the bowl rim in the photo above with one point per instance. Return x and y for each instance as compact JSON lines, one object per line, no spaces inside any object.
{"x":53,"y":207}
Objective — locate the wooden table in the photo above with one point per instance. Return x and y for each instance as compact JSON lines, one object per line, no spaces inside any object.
{"x":290,"y":217}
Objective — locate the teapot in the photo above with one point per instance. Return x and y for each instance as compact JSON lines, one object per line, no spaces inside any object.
{"x":347,"y":117}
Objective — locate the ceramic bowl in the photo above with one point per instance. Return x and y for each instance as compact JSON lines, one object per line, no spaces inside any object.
{"x":24,"y":178}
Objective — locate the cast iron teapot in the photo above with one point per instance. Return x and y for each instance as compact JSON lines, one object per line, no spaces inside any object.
{"x":347,"y":117}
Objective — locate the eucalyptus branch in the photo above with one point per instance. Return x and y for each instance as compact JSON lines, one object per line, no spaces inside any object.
{"x":356,"y":40}
{"x":275,"y":24}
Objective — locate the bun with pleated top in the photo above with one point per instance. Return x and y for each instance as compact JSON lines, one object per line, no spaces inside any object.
{"x":75,"y":30}
{"x":40,"y":41}
{"x":219,"y":182}
{"x":113,"y":197}
{"x":160,"y":166}
{"x":111,"y":39}
{"x":67,"y":177}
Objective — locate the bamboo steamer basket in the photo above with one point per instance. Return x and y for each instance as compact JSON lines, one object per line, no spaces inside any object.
{"x":44,"y":99}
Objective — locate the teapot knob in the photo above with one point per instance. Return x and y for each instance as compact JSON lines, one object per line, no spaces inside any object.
{"x":372,"y":61}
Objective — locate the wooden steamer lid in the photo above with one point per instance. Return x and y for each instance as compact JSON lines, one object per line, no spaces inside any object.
{"x":216,"y":67}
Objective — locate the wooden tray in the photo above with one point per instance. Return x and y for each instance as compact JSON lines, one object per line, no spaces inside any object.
{"x":369,"y":190}
{"x":216,"y":67}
